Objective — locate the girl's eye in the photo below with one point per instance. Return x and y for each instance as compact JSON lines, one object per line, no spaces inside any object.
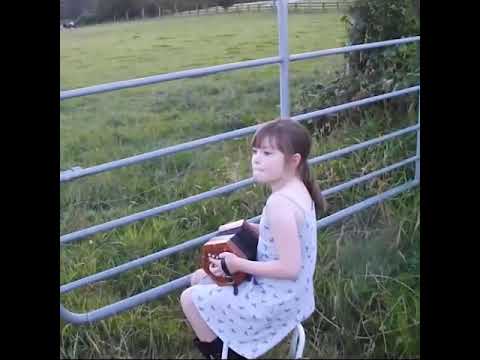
{"x":267,"y":153}
{"x":254,"y":151}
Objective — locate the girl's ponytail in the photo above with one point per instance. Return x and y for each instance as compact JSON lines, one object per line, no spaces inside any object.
{"x":312,"y":187}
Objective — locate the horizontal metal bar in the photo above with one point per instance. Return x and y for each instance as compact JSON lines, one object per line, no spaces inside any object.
{"x":369,"y":100}
{"x":373,"y":174}
{"x":155,"y":79}
{"x":199,"y":72}
{"x":80,"y":234}
{"x":329,"y":220}
{"x":165,"y":289}
{"x":75,"y":174}
{"x":153,"y":212}
{"x":124,"y":305}
{"x":135,"y":263}
{"x":82,"y":172}
{"x":185,"y":246}
{"x":352,"y":48}
{"x":191,"y":244}
{"x":352,"y":148}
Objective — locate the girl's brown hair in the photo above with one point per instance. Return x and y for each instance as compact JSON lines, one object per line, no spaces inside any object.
{"x":290,"y":138}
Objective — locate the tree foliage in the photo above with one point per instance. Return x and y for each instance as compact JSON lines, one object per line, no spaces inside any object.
{"x":375,"y":71}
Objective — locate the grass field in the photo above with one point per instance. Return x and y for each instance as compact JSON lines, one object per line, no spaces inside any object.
{"x":367,"y":280}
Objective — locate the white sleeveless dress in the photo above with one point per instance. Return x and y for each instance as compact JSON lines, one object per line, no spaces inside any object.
{"x":265,"y":310}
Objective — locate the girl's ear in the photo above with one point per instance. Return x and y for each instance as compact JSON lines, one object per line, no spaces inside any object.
{"x":296,"y":159}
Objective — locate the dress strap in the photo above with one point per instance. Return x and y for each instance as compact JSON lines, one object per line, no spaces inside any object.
{"x":295,"y":202}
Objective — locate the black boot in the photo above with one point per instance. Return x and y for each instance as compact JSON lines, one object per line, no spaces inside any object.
{"x":213,"y":349}
{"x":205,"y":348}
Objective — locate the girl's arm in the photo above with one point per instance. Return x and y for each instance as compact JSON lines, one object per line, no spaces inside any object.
{"x":285,"y":234}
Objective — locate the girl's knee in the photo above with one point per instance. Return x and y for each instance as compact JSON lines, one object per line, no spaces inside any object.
{"x":197,"y":276}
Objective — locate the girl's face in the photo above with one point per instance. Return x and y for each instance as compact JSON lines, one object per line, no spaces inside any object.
{"x":267,"y":163}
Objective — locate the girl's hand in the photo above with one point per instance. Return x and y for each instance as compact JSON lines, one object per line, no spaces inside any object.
{"x":231,"y":261}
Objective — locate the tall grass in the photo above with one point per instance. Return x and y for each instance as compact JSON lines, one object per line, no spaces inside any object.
{"x":367,"y":278}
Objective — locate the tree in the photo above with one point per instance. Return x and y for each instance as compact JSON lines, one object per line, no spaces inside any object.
{"x":108,"y":9}
{"x":226,"y":3}
{"x":72,"y":8}
{"x":153,"y":7}
{"x":375,"y":71}
{"x":378,"y":20}
{"x":137,"y":6}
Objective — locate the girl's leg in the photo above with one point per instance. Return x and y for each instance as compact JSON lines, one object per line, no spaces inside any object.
{"x":207,"y":341}
{"x":200,"y":276}
{"x":198,"y":325}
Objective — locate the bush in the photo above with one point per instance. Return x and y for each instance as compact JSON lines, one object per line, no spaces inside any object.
{"x":372,"y":72}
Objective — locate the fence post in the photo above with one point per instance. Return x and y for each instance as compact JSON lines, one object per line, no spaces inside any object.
{"x":282,"y":16}
{"x":417,"y":163}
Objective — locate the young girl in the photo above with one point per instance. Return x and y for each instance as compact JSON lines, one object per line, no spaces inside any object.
{"x":280,"y":294}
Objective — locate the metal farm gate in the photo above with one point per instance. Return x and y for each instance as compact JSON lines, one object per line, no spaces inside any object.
{"x":283,"y":59}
